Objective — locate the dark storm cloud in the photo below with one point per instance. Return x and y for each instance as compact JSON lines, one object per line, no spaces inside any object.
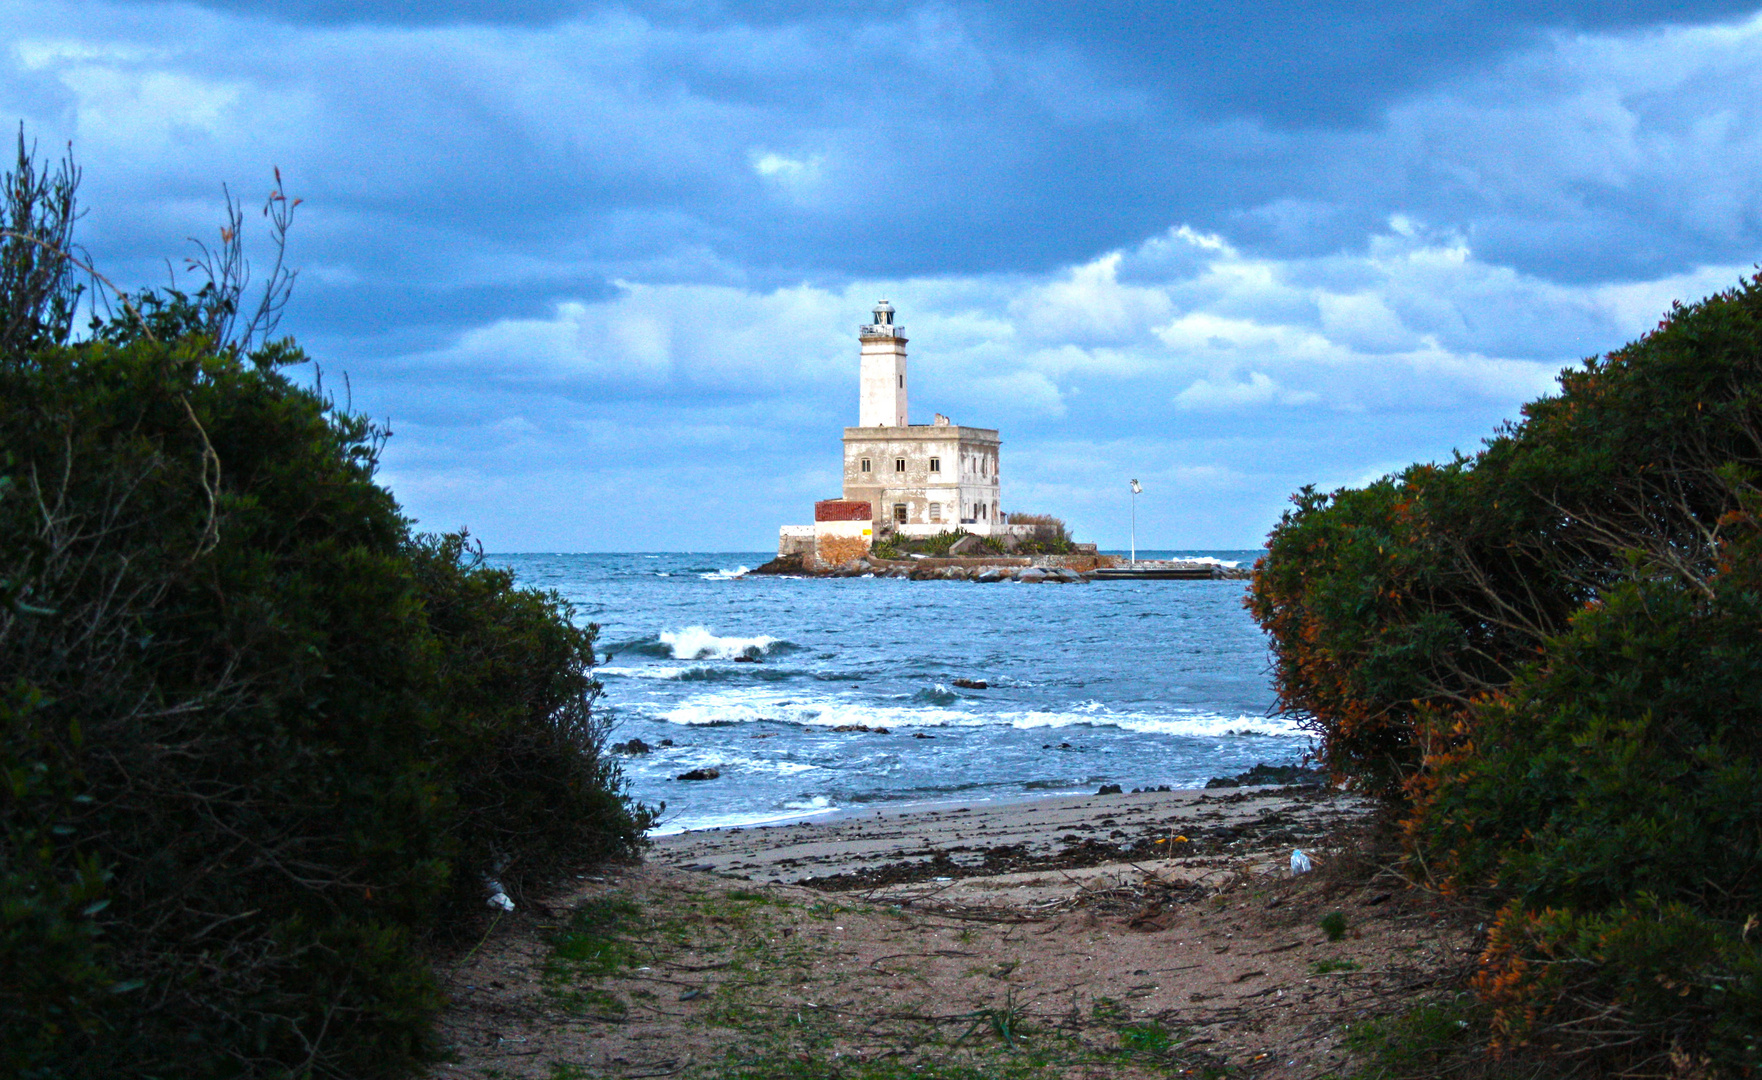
{"x":1295,"y":62}
{"x":925,"y":138}
{"x":1154,"y":236}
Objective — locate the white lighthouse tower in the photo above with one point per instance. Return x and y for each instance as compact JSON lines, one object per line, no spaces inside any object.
{"x":882,"y":379}
{"x":900,"y":479}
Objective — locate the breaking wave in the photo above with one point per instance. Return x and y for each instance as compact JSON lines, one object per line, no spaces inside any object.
{"x":936,"y":695}
{"x":700,"y":643}
{"x":755,"y":705}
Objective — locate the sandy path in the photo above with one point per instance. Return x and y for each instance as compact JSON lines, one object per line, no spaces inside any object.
{"x":1067,"y":964}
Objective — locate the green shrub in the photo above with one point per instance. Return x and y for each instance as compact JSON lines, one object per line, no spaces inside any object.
{"x":257,"y":741}
{"x":898,"y":546}
{"x":1049,"y":535}
{"x":1333,"y":924}
{"x":1551,"y":654}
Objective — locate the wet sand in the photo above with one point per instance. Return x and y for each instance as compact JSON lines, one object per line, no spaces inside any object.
{"x":1194,"y":831}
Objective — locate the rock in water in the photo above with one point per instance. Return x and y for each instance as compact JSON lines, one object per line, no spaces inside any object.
{"x":972,"y":684}
{"x":700,"y":774}
{"x":634,"y":746}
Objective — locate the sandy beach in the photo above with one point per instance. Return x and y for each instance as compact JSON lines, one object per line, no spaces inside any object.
{"x":992,"y":850}
{"x":1117,"y":936}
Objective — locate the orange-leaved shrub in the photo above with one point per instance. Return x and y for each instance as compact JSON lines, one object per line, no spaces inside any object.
{"x":1548,"y":656}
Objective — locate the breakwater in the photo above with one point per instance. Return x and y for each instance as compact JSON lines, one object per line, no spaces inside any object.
{"x":1033,"y":569}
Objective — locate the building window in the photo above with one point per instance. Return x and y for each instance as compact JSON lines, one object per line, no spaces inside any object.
{"x":981,"y":466}
{"x":902,"y":382}
{"x":899,"y":513}
{"x":935,"y":512}
{"x":981,"y":509}
{"x":899,"y":464}
{"x":865,"y":464}
{"x":935,"y":464}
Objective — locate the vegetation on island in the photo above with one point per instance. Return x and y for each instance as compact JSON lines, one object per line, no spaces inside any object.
{"x":1048,"y":536}
{"x":260,"y":743}
{"x":899,"y":546}
{"x":1547,"y":656}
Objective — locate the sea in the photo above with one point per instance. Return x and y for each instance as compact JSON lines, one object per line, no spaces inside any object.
{"x":771,"y":682}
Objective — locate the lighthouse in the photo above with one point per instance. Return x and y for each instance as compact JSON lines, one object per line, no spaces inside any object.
{"x":900,"y":478}
{"x":917,"y":479}
{"x":882,"y":389}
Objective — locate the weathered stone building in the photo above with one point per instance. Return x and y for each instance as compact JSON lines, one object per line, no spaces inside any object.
{"x":921,"y":479}
{"x":916,"y":479}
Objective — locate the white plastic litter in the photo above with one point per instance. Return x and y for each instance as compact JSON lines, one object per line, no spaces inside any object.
{"x":497,"y":897}
{"x":1300,"y":863}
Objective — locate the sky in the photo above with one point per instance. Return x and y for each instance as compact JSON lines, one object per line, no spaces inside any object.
{"x":600,"y":267}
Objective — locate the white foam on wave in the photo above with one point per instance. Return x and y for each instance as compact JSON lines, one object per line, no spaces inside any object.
{"x":750,"y":705}
{"x":700,"y":643}
{"x":724,"y":575}
{"x":1195,"y":724}
{"x":642,"y":672}
{"x":666,"y":762}
{"x":1207,"y":560}
{"x":796,"y":811}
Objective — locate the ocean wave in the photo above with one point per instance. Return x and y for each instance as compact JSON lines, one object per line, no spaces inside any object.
{"x":700,"y":643}
{"x":755,"y":705}
{"x":741,"y":819}
{"x":700,"y":673}
{"x":936,"y":695}
{"x":622,"y":672}
{"x":722,"y":575}
{"x":1194,"y":724}
{"x":738,"y":706}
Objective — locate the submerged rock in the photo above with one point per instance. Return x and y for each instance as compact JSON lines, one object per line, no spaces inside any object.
{"x":634,"y":746}
{"x":782,"y":564}
{"x":700,"y":774}
{"x":972,"y":684}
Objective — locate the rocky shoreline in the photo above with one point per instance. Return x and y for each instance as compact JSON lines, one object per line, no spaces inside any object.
{"x":1038,"y":569}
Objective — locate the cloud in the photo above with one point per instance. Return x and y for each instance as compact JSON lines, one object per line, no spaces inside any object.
{"x":1258,"y":389}
{"x":1230,"y":378}
{"x":1256,"y":243}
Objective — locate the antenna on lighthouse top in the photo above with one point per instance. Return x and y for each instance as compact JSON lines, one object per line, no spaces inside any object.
{"x":883,"y":326}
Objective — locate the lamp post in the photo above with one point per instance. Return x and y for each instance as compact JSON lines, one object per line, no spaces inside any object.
{"x":1136,"y":490}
